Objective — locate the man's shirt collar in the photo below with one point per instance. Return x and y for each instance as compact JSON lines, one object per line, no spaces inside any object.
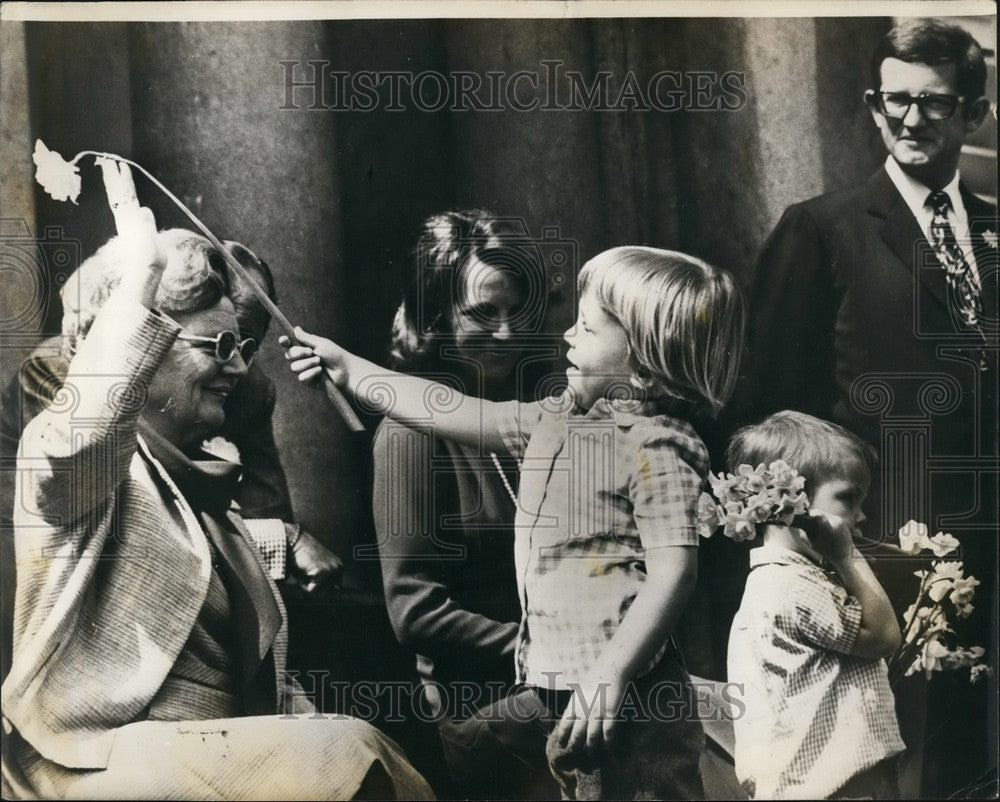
{"x":915,"y":193}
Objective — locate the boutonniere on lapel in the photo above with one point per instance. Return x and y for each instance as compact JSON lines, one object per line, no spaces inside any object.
{"x":990,"y":238}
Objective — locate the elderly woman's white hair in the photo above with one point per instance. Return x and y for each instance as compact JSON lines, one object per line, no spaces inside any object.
{"x":195,"y":278}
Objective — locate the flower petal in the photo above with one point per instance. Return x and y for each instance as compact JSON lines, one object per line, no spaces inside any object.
{"x":58,"y":177}
{"x":913,"y":537}
{"x":942,"y":544}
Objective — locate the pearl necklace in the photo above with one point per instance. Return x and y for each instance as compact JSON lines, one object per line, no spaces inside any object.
{"x":503,"y":477}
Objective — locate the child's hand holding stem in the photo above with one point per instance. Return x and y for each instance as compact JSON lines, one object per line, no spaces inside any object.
{"x":309,"y":356}
{"x":404,"y":398}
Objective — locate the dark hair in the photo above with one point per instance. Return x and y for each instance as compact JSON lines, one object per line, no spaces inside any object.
{"x":253,"y":318}
{"x":817,"y":449}
{"x":929,"y":41}
{"x":447,"y":243}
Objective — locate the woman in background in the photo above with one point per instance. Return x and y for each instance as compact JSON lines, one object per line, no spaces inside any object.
{"x":444,"y":512}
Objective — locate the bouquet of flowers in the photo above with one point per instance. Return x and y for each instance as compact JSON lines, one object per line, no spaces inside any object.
{"x":929,"y":641}
{"x":739,"y":501}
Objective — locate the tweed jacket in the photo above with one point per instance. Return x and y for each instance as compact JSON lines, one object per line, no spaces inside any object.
{"x":112,"y":567}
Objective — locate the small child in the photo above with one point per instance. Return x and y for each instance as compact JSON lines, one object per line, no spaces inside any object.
{"x":606,"y":529}
{"x":806,"y":644}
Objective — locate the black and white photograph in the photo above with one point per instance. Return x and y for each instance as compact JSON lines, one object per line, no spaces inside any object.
{"x":502,"y":400}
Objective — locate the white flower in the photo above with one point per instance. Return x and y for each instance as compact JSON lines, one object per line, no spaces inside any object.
{"x":965,"y":610}
{"x":963,"y":590}
{"x":755,"y":479}
{"x":932,"y":620}
{"x":758,"y":508}
{"x":951,"y":570}
{"x":990,"y":237}
{"x":976,"y":671}
{"x":752,"y":496}
{"x":939,"y":588}
{"x":708,"y":515}
{"x":784,"y":477}
{"x":942,"y":544}
{"x":58,"y":177}
{"x":726,"y":487}
{"x":976,"y":652}
{"x":913,"y":537}
{"x":738,"y":528}
{"x":222,"y":448}
{"x":934,"y":656}
{"x":929,"y":620}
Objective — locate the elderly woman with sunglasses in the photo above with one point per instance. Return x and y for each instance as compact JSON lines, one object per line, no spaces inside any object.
{"x":262,"y":492}
{"x":149,"y":642}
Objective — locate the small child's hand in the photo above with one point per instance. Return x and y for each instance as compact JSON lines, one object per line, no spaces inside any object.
{"x":311,"y":354}
{"x":830,"y":535}
{"x":588,"y":724}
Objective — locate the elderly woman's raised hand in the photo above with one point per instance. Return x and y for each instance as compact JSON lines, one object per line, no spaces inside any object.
{"x":137,"y":228}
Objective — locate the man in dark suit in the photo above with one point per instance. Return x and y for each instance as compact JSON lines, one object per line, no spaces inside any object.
{"x":876,"y":307}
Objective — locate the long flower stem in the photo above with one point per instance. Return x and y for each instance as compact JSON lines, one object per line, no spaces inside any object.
{"x":901,"y":660}
{"x":333,"y":392}
{"x":916,"y":607}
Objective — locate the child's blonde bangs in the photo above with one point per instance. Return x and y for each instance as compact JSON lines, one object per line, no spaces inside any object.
{"x":684,"y":320}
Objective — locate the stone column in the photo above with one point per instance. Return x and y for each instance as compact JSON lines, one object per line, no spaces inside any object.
{"x":208,"y":122}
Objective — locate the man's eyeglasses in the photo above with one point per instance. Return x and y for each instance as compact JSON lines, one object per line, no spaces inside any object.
{"x":896,"y":105}
{"x":225,"y":344}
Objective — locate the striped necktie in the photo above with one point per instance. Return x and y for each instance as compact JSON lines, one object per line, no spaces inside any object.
{"x":962,"y":279}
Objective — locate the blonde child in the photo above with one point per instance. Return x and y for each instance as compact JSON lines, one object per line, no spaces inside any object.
{"x":808,"y":647}
{"x":606,"y":534}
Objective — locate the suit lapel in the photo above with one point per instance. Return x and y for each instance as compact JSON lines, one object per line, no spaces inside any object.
{"x":250,"y":590}
{"x":901,"y":232}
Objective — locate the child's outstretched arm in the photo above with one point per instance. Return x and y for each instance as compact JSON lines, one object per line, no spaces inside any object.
{"x":672,"y":572}
{"x":408,"y":399}
{"x":879,"y":635}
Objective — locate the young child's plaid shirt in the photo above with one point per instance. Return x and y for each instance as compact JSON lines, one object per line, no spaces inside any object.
{"x":815,"y":715}
{"x":597,"y":491}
